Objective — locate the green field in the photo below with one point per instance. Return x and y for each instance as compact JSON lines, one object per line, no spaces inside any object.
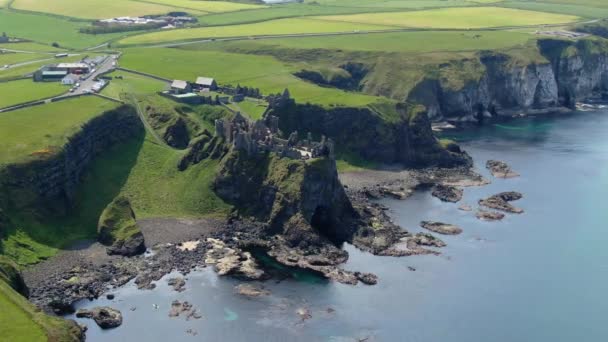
{"x":207,"y":6}
{"x":46,"y":29}
{"x":458,"y":18}
{"x":566,"y":8}
{"x":26,"y":46}
{"x":92,"y":9}
{"x":252,"y":107}
{"x":15,"y":321}
{"x":403,"y":4}
{"x":45,"y":128}
{"x":26,"y":90}
{"x":132,"y":84}
{"x":273,"y":27}
{"x":411,"y":42}
{"x":12,"y":58}
{"x":263,"y":72}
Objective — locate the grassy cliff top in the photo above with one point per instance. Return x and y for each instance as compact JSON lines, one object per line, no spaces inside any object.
{"x":41,"y":131}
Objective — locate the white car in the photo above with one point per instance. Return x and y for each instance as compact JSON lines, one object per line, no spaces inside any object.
{"x":6,"y":66}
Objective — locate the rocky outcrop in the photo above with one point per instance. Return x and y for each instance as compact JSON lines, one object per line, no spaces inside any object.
{"x":105,"y":317}
{"x":501,"y":202}
{"x":441,"y":228}
{"x":177,"y":135}
{"x":500,"y":169}
{"x":447,"y":193}
{"x":406,"y":139}
{"x":232,"y":261}
{"x":562,"y":73}
{"x":486,"y":215}
{"x":52,"y":182}
{"x":118,"y":229}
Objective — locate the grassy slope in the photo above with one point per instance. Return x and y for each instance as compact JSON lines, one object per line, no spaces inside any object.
{"x":263,"y":72}
{"x":459,"y":18}
{"x":132,"y":84}
{"x":28,"y":130}
{"x":570,"y":7}
{"x":273,"y":27}
{"x":26,"y":90}
{"x":12,"y":58}
{"x":48,"y":29}
{"x":252,"y":108}
{"x":411,"y":42}
{"x":92,"y":9}
{"x":207,"y":6}
{"x":27,"y":46}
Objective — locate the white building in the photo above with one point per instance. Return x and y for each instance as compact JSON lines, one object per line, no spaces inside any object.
{"x":70,"y":80}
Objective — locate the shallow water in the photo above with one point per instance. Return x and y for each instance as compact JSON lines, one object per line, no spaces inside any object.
{"x":539,"y":276}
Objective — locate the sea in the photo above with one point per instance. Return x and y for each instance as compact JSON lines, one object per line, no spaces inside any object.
{"x":537,"y":276}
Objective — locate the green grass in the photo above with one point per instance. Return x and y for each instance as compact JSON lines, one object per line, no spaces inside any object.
{"x":207,"y":6}
{"x":402,"y":4}
{"x":273,"y":27}
{"x":92,"y":9}
{"x":45,"y":128}
{"x":27,"y":90}
{"x":457,"y":18}
{"x":252,"y":107}
{"x":132,"y":84}
{"x":47,"y":29}
{"x":263,"y":72}
{"x":411,"y":42}
{"x":27,"y":46}
{"x":573,"y":8}
{"x":12,"y":58}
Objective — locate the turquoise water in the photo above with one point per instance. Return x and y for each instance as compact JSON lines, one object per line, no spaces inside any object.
{"x":539,"y":276}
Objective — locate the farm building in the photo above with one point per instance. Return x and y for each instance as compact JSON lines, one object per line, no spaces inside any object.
{"x":70,"y":79}
{"x":50,"y":75}
{"x":180,"y":87}
{"x":73,"y":68}
{"x":205,"y":83}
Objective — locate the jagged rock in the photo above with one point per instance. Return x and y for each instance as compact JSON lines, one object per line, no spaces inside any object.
{"x":485,"y":215}
{"x":231,"y":261}
{"x":105,"y":317}
{"x":500,"y":169}
{"x":367,"y":278}
{"x":447,"y":193}
{"x":251,"y":291}
{"x":441,"y":228}
{"x":60,"y":307}
{"x":425,"y":239}
{"x":465,"y":207}
{"x":178,"y":308}
{"x":396,"y":194}
{"x":118,"y":229}
{"x":178,"y":284}
{"x":501,"y":202}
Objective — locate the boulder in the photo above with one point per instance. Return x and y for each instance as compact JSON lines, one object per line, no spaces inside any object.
{"x":105,"y":317}
{"x":447,"y":193}
{"x":485,"y":215}
{"x":425,"y":239}
{"x":177,"y":283}
{"x":118,"y":229}
{"x":441,"y":228}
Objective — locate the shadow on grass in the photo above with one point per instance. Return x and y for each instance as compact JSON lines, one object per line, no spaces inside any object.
{"x":32,"y":238}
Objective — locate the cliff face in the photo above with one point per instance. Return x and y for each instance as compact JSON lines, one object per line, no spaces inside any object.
{"x":407,"y":139}
{"x":569,"y":73}
{"x":52,"y":182}
{"x":303,"y":201}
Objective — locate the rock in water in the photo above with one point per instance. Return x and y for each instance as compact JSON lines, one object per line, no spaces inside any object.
{"x":367,"y":278}
{"x":447,"y":193}
{"x":424,"y":239}
{"x":105,"y":317}
{"x":501,"y":202}
{"x":489,"y":215}
{"x":441,"y":228}
{"x":251,"y":291}
{"x":118,"y":229}
{"x":500,"y":169}
{"x":178,"y":284}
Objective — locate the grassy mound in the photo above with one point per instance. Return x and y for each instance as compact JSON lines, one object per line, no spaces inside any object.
{"x":117,"y":223}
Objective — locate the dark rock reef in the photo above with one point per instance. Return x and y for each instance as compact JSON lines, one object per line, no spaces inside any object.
{"x":501,"y":202}
{"x":118,"y":229}
{"x":441,"y":228}
{"x":447,"y":193}
{"x":105,"y":317}
{"x":500,"y":169}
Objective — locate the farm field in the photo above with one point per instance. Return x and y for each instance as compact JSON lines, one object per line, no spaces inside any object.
{"x":27,"y":46}
{"x":457,"y":18}
{"x":207,"y":6}
{"x":23,"y":133}
{"x":252,"y":108}
{"x":281,"y":12}
{"x":27,"y":69}
{"x":47,"y":30}
{"x":12,"y":58}
{"x":16,"y":92}
{"x":132,"y":84}
{"x":563,"y":8}
{"x":92,"y":9}
{"x":264,"y":72}
{"x":403,"y":4}
{"x":411,"y":42}
{"x":273,"y":27}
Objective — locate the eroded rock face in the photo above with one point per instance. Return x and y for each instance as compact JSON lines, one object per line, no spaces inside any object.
{"x":500,"y":169}
{"x":441,"y":228}
{"x":118,"y":229}
{"x":232,"y":261}
{"x":447,"y":193}
{"x":501,"y":202}
{"x":105,"y":317}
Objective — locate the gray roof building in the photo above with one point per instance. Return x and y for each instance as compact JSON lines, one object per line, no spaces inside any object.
{"x":178,"y":84}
